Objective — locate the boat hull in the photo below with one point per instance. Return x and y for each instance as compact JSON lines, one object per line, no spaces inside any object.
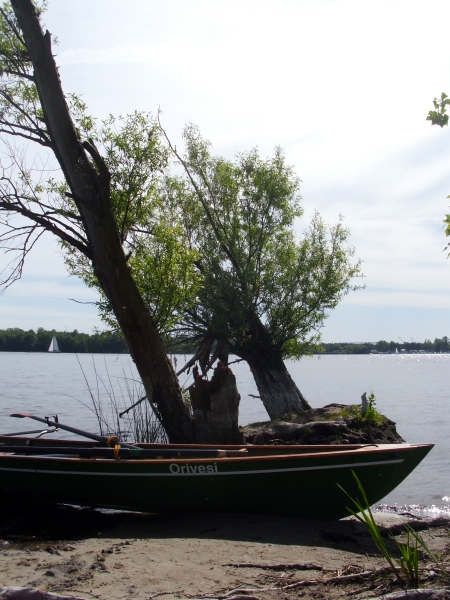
{"x":294,"y":481}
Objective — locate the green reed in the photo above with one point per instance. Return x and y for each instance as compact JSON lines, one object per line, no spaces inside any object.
{"x":406,"y":568}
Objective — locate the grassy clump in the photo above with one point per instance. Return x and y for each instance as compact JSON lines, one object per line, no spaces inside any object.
{"x":406,"y":568}
{"x":370,"y":416}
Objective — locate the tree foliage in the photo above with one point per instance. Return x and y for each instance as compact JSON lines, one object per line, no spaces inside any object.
{"x":240,"y":216}
{"x":439,"y":115}
{"x":160,"y":262}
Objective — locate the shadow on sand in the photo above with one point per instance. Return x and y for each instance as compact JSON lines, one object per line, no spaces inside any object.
{"x":25,"y":524}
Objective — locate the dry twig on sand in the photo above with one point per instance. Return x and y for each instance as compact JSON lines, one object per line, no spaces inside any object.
{"x":20,"y":593}
{"x":246,"y":593}
{"x":430,"y":594}
{"x":279,"y":567}
{"x":163,"y":594}
{"x":415,"y":526}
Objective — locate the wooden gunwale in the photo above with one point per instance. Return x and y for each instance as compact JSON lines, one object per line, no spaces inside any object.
{"x":292,"y":455}
{"x":20,"y":441}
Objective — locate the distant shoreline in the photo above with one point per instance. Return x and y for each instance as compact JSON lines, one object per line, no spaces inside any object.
{"x":19,"y":340}
{"x":190,"y":353}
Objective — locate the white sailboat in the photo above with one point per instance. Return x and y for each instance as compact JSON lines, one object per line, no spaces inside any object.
{"x":53,"y":345}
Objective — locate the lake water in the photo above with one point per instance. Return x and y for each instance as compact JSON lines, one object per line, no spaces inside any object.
{"x":412,"y":390}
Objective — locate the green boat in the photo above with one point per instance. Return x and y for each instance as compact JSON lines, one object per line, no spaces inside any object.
{"x":298,"y":481}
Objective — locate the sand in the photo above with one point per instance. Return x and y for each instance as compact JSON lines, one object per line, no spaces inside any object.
{"x":185,"y":555}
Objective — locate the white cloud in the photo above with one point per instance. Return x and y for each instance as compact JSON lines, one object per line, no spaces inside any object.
{"x":388,"y":297}
{"x":49,"y":313}
{"x":41,"y":287}
{"x":163,"y":55}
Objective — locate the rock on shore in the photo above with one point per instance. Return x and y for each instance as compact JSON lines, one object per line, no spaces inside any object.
{"x":332,"y":424}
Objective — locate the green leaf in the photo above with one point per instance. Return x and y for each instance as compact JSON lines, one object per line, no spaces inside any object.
{"x":439,"y":116}
{"x":447,"y":222}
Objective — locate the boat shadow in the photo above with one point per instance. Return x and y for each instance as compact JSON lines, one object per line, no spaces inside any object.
{"x":24,"y":524}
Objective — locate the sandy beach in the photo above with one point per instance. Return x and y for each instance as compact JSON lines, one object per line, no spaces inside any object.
{"x":120,"y":556}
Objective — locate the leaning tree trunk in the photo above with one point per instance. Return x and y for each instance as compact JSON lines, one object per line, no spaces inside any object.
{"x":90,"y":191}
{"x":277,"y":390}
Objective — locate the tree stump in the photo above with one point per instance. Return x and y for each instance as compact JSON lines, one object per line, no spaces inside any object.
{"x":215,"y":406}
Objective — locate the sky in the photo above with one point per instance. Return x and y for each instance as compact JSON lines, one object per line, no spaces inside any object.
{"x":343,"y":86}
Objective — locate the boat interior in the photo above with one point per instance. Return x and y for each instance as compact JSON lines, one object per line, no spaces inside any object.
{"x":8,"y":444}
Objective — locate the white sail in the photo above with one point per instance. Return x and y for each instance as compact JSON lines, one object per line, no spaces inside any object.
{"x":53,"y":345}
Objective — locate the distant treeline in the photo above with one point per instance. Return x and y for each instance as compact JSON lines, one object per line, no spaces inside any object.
{"x":439,"y":345}
{"x":18,"y":340}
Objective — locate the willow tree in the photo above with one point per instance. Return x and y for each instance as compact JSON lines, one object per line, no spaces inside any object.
{"x":162,"y":267}
{"x":265,"y":292}
{"x":95,"y":219}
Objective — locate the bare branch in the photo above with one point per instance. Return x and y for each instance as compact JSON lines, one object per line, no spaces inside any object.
{"x":18,"y":268}
{"x":47,"y":225}
{"x":26,"y":115}
{"x":17,"y":73}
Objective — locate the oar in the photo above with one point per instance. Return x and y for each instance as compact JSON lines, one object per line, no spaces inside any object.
{"x":124,"y":453}
{"x":98,"y":438}
{"x":28,"y":432}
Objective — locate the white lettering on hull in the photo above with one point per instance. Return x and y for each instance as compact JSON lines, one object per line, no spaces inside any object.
{"x":214,"y":471}
{"x":177,"y":469}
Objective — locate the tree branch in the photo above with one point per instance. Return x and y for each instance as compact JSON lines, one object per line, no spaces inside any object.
{"x":47,"y":225}
{"x":199,"y":193}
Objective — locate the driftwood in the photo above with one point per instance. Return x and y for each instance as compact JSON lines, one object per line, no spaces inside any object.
{"x":234,"y":594}
{"x":155,"y":595}
{"x":278,"y":567}
{"x":235,"y":597}
{"x":242,"y":597}
{"x":337,"y":579}
{"x":242,"y":593}
{"x":345,"y":578}
{"x":361,"y":590}
{"x":415,"y":525}
{"x":431,"y":594}
{"x":18,"y":593}
{"x":245,"y":593}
